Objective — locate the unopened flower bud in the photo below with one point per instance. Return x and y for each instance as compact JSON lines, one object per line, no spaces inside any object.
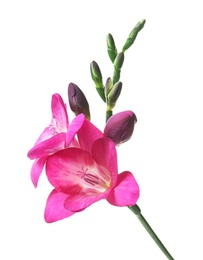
{"x":97,"y":78}
{"x":111,"y":48}
{"x":120,"y":126}
{"x":113,"y":95}
{"x":108,"y":86}
{"x":77,"y":101}
{"x":118,"y":63}
{"x":133,"y":34}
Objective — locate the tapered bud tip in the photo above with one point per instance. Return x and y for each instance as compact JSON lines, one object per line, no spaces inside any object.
{"x":143,"y":21}
{"x":110,"y":41}
{"x":120,"y":126}
{"x":77,"y":101}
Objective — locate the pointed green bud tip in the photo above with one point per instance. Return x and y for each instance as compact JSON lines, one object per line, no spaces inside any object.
{"x":133,"y":34}
{"x":77,"y":101}
{"x":111,"y":48}
{"x":114,"y":95}
{"x":120,"y":127}
{"x":118,"y":62}
{"x":96,"y":74}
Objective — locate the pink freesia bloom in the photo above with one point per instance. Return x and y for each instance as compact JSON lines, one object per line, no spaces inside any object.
{"x":86,"y":174}
{"x":58,"y":135}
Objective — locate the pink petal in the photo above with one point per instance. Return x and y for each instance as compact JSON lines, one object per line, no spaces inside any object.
{"x":36,"y":169}
{"x":65,"y":167}
{"x":59,"y":111}
{"x":104,"y":153}
{"x":46,"y":134}
{"x":74,"y":127}
{"x":88,"y":134}
{"x":48,"y":146}
{"x":126,"y":192}
{"x":81,"y":201}
{"x":54,"y":209}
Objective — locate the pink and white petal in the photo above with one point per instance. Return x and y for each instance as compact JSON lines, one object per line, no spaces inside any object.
{"x":59,"y":111}
{"x":88,"y":134}
{"x":126,"y":192}
{"x":36,"y":169}
{"x":49,"y":146}
{"x":74,"y":127}
{"x":55,"y":209}
{"x":46,"y":134}
{"x":104,"y":153}
{"x":65,"y":169}
{"x":81,"y":201}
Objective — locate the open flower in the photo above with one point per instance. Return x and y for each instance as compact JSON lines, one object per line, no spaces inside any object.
{"x":58,"y":135}
{"x":86,"y":174}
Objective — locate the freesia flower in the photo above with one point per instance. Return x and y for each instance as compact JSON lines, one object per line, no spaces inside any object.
{"x":58,"y":135}
{"x":84,"y":175}
{"x":120,"y":126}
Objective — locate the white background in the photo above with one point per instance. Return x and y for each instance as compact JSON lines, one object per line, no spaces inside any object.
{"x":44,"y":46}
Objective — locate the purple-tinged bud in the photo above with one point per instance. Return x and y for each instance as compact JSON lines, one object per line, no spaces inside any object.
{"x":114,"y":95}
{"x":108,"y":86}
{"x":77,"y":101}
{"x":119,"y":128}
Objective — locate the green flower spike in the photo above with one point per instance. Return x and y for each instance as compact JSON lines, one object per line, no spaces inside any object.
{"x":132,"y":36}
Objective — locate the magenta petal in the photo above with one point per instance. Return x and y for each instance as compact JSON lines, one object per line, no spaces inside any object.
{"x":74,"y":127}
{"x":88,"y":134}
{"x":59,"y":111}
{"x":104,"y":153}
{"x":81,"y":201}
{"x":48,"y":146}
{"x":65,"y":167}
{"x":126,"y":192}
{"x":54,"y":209}
{"x":46,"y":134}
{"x":36,"y":169}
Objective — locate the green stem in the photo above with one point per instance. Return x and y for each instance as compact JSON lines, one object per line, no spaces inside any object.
{"x":108,"y":114}
{"x":136,"y":210}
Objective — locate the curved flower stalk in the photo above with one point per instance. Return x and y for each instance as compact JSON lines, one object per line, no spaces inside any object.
{"x":58,"y":135}
{"x":84,"y":175}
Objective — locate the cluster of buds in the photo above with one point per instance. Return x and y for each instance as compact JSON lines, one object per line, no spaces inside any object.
{"x":119,"y":127}
{"x":111,"y":91}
